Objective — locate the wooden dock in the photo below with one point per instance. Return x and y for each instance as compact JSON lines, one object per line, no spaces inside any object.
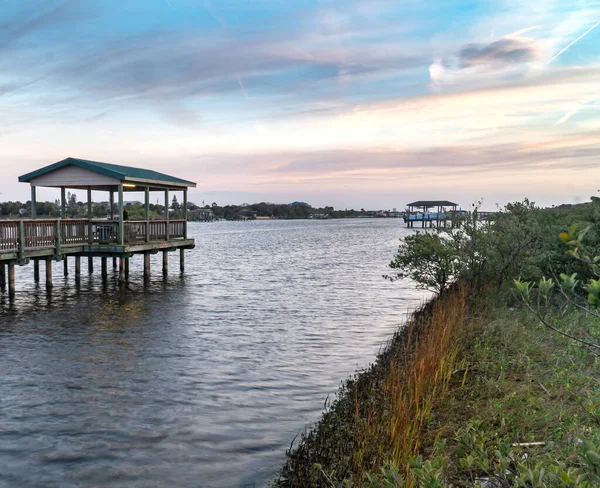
{"x":24,"y":241}
{"x":446,"y":214}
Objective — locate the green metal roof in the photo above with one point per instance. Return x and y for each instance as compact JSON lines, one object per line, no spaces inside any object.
{"x":432,"y":203}
{"x":122,"y":173}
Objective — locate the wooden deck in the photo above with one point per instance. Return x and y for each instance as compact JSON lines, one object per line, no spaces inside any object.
{"x":22,"y":241}
{"x":453,"y":218}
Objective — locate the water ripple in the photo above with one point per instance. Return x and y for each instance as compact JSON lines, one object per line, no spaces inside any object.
{"x":196,"y":380}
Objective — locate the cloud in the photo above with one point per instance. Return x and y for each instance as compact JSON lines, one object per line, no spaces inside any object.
{"x":503,"y":51}
{"x":492,"y":61}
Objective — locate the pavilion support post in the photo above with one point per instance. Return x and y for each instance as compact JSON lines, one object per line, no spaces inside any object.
{"x":121,"y":233}
{"x":2,"y":276}
{"x":184,"y":215}
{"x":90,"y":264}
{"x":165,"y":267}
{"x":104,"y":262}
{"x":65,"y":266}
{"x":63,"y":203}
{"x":36,"y":270}
{"x":77,"y":267}
{"x":11,"y":279}
{"x":146,"y":265}
{"x":112,"y":205}
{"x":48,"y":273}
{"x":167,"y":215}
{"x":147,"y":212}
{"x":182,"y":259}
{"x":89,"y":211}
{"x":33,"y":203}
{"x":121,"y":270}
{"x":21,"y":242}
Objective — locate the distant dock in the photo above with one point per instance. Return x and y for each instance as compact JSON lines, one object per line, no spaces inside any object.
{"x":446,"y":214}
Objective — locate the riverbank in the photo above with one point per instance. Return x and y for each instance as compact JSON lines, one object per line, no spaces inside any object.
{"x":499,"y":391}
{"x":486,"y":385}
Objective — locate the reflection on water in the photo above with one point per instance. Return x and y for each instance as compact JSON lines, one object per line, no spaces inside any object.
{"x":201,"y":379}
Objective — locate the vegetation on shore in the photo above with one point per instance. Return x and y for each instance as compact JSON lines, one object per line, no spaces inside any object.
{"x":75,"y":208}
{"x":476,"y":390}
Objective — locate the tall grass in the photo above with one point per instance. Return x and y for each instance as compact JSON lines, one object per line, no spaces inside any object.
{"x":380,"y":413}
{"x":414,"y":381}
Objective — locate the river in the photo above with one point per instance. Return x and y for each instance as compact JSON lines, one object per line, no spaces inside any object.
{"x":199,"y":380}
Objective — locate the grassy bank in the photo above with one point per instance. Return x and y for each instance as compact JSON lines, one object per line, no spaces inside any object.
{"x":455,"y":399}
{"x":478,"y":389}
{"x":379,"y":415}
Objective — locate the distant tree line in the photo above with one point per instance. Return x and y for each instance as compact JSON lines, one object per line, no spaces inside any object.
{"x":135,"y":210}
{"x":296,"y":210}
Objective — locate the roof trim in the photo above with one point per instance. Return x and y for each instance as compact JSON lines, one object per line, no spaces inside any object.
{"x":121,"y":173}
{"x":432,"y":203}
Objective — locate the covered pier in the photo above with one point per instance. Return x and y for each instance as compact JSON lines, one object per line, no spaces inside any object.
{"x":26,"y":240}
{"x":445,"y":212}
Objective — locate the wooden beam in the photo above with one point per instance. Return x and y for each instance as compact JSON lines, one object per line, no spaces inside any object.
{"x":112,"y":205}
{"x":185,"y":213}
{"x":63,"y":204}
{"x":48,"y":273}
{"x":33,"y":203}
{"x":89,"y":211}
{"x":121,"y":233}
{"x":146,"y":265}
{"x":121,"y":270}
{"x":147,"y":212}
{"x":21,"y":241}
{"x":167,"y":215}
{"x":11,"y":279}
{"x":58,"y":243}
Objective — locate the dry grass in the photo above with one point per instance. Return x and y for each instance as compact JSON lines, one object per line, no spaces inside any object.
{"x":380,"y":414}
{"x":414,"y":382}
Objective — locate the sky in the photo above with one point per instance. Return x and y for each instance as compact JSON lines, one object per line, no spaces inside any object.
{"x":369,"y":103}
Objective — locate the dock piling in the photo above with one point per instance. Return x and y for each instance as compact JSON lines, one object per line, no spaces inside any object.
{"x":11,"y":280}
{"x":126,"y":269}
{"x":165,"y":260}
{"x":48,"y":272}
{"x":77,"y":267}
{"x":104,"y":262}
{"x":90,"y":264}
{"x":182,"y":260}
{"x":2,"y":276}
{"x":66,"y":266}
{"x":146,"y":265}
{"x":121,"y":270}
{"x":114,"y":263}
{"x":36,"y":270}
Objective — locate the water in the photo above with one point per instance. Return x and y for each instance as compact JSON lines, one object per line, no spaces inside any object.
{"x":200,"y":380}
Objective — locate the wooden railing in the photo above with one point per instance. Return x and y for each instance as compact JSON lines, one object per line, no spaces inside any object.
{"x":20,"y":235}
{"x":9,"y":236}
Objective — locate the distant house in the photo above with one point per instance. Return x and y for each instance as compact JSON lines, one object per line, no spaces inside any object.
{"x":204,"y":214}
